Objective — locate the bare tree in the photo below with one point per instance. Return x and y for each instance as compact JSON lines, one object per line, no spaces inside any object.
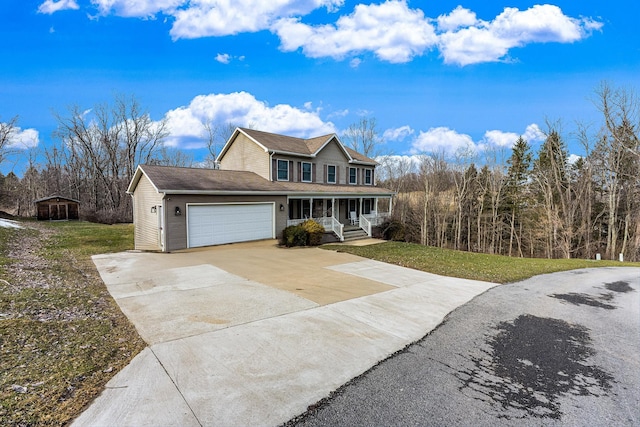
{"x":216,"y":135}
{"x":102,"y":148}
{"x":617,"y":155}
{"x":363,"y":137}
{"x":7,"y":130}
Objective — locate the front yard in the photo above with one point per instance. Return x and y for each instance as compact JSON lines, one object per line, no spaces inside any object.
{"x":62,"y":337}
{"x":469,"y":265}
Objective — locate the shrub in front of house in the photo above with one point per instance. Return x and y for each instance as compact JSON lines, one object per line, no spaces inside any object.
{"x":294,"y":235}
{"x":314,"y":232}
{"x":309,"y":233}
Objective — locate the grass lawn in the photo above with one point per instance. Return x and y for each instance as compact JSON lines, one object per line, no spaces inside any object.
{"x":62,"y":336}
{"x":468,"y":265}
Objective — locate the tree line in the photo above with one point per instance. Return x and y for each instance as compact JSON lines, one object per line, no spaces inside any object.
{"x":531,"y":204}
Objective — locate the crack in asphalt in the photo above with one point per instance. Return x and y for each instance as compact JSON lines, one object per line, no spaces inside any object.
{"x":530,"y":363}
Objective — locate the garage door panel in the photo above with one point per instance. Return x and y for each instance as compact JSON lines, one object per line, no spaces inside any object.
{"x":228,"y":223}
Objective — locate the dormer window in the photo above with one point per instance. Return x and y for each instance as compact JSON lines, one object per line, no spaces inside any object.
{"x":283,"y":170}
{"x":368,"y":177}
{"x":306,"y":172}
{"x":353,"y":176}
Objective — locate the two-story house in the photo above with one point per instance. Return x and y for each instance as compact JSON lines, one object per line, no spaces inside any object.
{"x":265,"y":182}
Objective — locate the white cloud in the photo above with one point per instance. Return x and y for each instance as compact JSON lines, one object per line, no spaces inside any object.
{"x":339,"y":113}
{"x":51,"y":6}
{"x":355,"y":62}
{"x":441,"y":139}
{"x":491,"y":41}
{"x":397,"y":134}
{"x":242,"y":109}
{"x":573,"y":158}
{"x":391,"y":30}
{"x":23,"y":139}
{"x":223,"y":58}
{"x":459,"y":17}
{"x":204,"y":18}
{"x":533,"y":133}
{"x":138,"y":8}
{"x":498,"y":138}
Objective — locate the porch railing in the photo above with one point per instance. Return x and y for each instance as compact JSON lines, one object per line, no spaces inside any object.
{"x":337,"y":227}
{"x":367,"y":222}
{"x":329,"y":224}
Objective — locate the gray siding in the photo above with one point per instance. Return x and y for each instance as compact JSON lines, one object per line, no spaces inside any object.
{"x":176,"y":227}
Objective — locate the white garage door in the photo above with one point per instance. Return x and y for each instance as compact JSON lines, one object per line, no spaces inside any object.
{"x":218,"y":224}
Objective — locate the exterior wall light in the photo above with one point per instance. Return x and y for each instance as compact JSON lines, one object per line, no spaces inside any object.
{"x":281,"y":207}
{"x":154,"y":209}
{"x":178,"y":211}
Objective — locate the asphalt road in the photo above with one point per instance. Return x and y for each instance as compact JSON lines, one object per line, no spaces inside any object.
{"x":557,"y":349}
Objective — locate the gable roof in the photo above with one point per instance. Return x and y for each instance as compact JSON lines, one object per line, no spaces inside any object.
{"x":291,"y":145}
{"x":169,"y":179}
{"x":44,"y":199}
{"x":179,"y":180}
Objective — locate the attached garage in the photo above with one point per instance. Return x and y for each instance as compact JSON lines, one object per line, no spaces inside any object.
{"x":217,"y":224}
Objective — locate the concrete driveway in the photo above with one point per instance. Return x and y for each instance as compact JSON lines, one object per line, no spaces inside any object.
{"x":251,"y":334}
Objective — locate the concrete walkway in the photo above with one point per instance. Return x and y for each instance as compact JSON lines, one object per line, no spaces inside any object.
{"x":227,"y":349}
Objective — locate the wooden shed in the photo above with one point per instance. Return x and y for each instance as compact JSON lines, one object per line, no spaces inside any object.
{"x":57,"y":208}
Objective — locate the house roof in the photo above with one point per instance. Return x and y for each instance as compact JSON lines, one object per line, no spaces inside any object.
{"x":296,"y":146}
{"x":44,"y":199}
{"x":168,"y":179}
{"x":177,"y":180}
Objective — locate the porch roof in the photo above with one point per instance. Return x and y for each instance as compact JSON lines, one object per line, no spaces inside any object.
{"x":303,"y":189}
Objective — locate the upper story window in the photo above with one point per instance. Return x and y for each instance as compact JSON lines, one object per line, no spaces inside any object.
{"x":283,"y":170}
{"x":368,"y":176}
{"x":306,"y":172}
{"x":353,"y":176}
{"x":331,"y":174}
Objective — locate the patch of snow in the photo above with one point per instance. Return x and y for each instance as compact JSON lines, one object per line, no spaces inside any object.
{"x":7,"y":223}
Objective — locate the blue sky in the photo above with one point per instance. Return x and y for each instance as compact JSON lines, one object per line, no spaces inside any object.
{"x":435,"y":75}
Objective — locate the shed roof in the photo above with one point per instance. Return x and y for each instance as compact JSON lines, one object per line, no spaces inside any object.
{"x":45,"y":199}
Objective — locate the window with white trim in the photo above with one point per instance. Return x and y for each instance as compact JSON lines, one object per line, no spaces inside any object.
{"x":306,"y":172}
{"x":367,"y":176}
{"x":331,"y":174}
{"x":283,"y":170}
{"x":353,"y":176}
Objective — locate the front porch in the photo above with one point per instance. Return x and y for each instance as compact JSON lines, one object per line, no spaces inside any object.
{"x":334,"y":214}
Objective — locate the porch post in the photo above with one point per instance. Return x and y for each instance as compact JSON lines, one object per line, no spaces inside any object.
{"x":333,"y":207}
{"x":360,"y":211}
{"x":390,"y":204}
{"x":311,"y":207}
{"x":375,"y":204}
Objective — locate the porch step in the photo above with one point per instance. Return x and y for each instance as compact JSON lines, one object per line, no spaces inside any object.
{"x":354,"y":234}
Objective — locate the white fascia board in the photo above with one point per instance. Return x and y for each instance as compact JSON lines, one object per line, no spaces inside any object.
{"x":136,"y":179}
